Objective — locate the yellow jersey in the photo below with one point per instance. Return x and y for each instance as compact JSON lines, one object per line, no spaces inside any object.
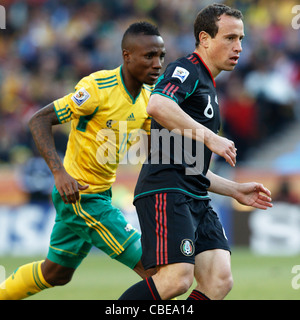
{"x":105,"y":121}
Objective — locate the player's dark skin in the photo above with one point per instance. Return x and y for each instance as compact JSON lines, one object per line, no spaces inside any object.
{"x":143,"y":57}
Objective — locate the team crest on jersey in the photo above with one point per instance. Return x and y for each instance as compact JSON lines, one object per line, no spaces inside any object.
{"x":80,"y":96}
{"x":180,"y":73}
{"x":110,"y":123}
{"x":187,"y":247}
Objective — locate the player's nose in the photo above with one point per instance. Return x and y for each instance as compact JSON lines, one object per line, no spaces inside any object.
{"x":157,"y":63}
{"x":238,"y":47}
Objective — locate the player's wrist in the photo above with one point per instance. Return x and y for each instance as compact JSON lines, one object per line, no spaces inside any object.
{"x":208,"y":137}
{"x":235,"y":190}
{"x":58,"y":169}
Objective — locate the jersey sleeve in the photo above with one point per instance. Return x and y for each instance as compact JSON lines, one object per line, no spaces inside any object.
{"x":82,"y":102}
{"x":178,"y":82}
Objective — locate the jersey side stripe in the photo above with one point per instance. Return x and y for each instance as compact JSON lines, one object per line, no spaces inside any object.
{"x":161,"y":229}
{"x":79,"y":214}
{"x":166,"y":229}
{"x":157,"y":228}
{"x":101,"y":230}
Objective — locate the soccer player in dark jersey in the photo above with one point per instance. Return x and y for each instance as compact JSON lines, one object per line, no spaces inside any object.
{"x":181,"y":233}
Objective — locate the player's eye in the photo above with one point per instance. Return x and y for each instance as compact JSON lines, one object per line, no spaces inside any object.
{"x":149,"y":55}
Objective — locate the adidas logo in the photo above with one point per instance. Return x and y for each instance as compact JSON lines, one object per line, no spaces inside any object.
{"x":131,"y":117}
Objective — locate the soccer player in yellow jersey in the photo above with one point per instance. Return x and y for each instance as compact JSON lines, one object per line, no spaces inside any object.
{"x":106,"y":107}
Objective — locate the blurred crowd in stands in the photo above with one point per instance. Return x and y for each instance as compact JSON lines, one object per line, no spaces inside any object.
{"x":48,"y":46}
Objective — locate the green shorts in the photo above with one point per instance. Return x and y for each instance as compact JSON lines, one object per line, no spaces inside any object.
{"x":92,"y":221}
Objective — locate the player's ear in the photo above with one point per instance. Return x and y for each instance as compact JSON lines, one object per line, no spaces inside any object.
{"x":204,"y":38}
{"x":126,"y":55}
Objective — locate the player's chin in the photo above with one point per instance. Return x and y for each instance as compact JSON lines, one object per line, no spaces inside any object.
{"x":150,"y":82}
{"x":229,"y":67}
{"x":232,"y":64}
{"x":151,"y":79}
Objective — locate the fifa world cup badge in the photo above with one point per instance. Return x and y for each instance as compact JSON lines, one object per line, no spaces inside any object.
{"x":80,"y":96}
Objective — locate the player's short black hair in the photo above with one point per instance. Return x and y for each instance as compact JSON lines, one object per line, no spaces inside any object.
{"x":207,"y":18}
{"x":137,"y":28}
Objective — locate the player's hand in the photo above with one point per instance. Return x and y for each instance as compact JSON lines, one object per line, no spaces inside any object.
{"x":67,"y":186}
{"x":253,"y":194}
{"x":222,"y":147}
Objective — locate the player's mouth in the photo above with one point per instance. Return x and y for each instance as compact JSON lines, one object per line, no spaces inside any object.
{"x":154,"y":76}
{"x":234,"y":59}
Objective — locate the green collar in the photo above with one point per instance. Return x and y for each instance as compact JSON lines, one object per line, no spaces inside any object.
{"x":131,"y":97}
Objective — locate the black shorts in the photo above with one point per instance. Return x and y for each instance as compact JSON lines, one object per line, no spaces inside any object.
{"x":176,"y":227}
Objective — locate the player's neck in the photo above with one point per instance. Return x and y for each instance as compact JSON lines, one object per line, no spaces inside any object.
{"x":132,"y":85}
{"x":209,"y":63}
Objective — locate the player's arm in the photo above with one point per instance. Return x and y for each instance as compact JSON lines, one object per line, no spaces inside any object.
{"x":169,"y":114}
{"x":250,"y":194}
{"x":41,"y":129}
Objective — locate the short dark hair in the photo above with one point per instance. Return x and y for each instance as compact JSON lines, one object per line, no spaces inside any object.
{"x":137,"y":28}
{"x":207,"y":18}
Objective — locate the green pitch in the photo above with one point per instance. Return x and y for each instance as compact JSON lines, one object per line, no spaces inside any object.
{"x":255,"y":277}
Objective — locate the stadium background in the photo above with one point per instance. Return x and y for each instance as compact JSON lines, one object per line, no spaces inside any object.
{"x":48,"y":46}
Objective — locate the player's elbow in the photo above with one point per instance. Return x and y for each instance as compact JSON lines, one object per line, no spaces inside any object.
{"x":32,"y":121}
{"x":152,"y":109}
{"x":45,"y":117}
